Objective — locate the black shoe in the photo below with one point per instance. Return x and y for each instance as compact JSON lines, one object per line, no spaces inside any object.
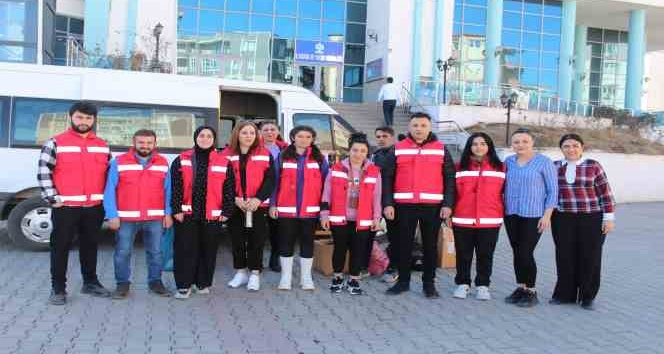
{"x":274,"y":262}
{"x":354,"y":287}
{"x":398,"y":288}
{"x":121,"y":291}
{"x":529,"y":299}
{"x":588,"y":305}
{"x":430,"y":291}
{"x":158,"y":288}
{"x":95,"y":289}
{"x":337,"y":285}
{"x":515,"y":296}
{"x":57,"y":298}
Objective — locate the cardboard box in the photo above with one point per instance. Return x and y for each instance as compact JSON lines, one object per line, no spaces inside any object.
{"x":323,"y":250}
{"x":446,"y":248}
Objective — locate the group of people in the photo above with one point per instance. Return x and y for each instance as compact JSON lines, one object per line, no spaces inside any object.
{"x":261,"y":187}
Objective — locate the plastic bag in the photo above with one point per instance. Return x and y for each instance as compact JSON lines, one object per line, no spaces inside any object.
{"x":379,"y":261}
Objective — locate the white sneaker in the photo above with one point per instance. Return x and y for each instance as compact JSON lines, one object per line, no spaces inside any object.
{"x":483,"y":293}
{"x":183,"y":294}
{"x":204,"y":291}
{"x":286,"y":273}
{"x":254,"y":283}
{"x":241,"y":277}
{"x":461,"y":291}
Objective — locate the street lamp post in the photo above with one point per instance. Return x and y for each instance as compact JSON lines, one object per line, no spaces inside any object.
{"x":444,"y":67}
{"x":156,"y":32}
{"x":508,"y":102}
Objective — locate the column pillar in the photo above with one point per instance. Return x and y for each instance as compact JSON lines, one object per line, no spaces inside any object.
{"x":438,"y":35}
{"x":635,"y":59}
{"x":580,"y":71}
{"x":566,"y":51}
{"x":416,"y":60}
{"x":494,"y":28}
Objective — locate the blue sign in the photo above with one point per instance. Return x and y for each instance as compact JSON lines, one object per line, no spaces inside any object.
{"x":319,"y":52}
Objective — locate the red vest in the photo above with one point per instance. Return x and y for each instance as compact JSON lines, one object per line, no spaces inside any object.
{"x":257,"y":162}
{"x":80,"y":168}
{"x":479,"y":201}
{"x":140,"y":191}
{"x":312,"y":189}
{"x":419,"y":172}
{"x":216,"y":176}
{"x":339,"y":194}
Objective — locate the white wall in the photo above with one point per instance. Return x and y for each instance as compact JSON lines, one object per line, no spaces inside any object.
{"x":71,"y":8}
{"x":378,"y":16}
{"x":117,"y":27}
{"x":401,"y":40}
{"x":653,"y":99}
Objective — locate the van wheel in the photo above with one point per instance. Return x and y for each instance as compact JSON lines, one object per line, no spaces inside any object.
{"x":30,"y":224}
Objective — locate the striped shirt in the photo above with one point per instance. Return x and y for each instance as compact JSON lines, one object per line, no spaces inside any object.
{"x":531,"y":188}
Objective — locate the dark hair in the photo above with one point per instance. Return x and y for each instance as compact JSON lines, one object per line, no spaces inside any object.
{"x":523,"y":130}
{"x":290,"y":154}
{"x":390,"y":80}
{"x":420,"y":115}
{"x":494,"y":160}
{"x":570,"y":136}
{"x":83,"y":107}
{"x":401,"y":137}
{"x":145,"y":132}
{"x":385,"y":128}
{"x":358,"y":138}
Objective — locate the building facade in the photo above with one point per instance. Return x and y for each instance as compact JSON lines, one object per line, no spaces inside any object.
{"x":27,"y":31}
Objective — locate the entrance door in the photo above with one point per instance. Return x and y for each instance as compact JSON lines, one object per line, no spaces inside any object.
{"x":324,"y":81}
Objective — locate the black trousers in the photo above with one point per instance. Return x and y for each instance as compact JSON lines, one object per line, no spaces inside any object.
{"x":579,"y":240}
{"x":273,"y":230}
{"x":68,"y":222}
{"x":195,"y":252}
{"x":347,"y":238}
{"x":248,"y":242}
{"x":388,"y":111}
{"x":469,"y":241}
{"x":523,"y":235}
{"x":429,"y":220}
{"x":291,"y":229}
{"x":392,"y":250}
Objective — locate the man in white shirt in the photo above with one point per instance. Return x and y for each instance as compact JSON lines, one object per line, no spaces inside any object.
{"x":389,"y":94}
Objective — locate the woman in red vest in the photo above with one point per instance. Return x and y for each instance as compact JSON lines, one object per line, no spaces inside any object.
{"x":351,"y":208}
{"x":254,"y":182}
{"x":296,"y":202}
{"x":203,"y":196}
{"x":478,"y":214}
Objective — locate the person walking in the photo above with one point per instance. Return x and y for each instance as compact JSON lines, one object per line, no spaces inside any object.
{"x":203,"y":197}
{"x":351,"y":209}
{"x":531,"y":194}
{"x":72,"y":176}
{"x":478,"y":213}
{"x":254,"y":182}
{"x":389,"y":96}
{"x":585,"y":215}
{"x":137,"y":199}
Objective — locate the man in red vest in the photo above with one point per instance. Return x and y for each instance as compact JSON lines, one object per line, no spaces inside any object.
{"x":137,"y":198}
{"x":72,"y":176}
{"x":418,"y":188}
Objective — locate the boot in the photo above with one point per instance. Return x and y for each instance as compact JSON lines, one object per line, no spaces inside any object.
{"x":286,"y":273}
{"x":306,"y":281}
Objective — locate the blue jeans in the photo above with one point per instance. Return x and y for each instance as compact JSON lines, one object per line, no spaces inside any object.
{"x":152,"y":231}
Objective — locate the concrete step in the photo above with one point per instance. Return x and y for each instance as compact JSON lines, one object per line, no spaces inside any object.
{"x":366,"y":117}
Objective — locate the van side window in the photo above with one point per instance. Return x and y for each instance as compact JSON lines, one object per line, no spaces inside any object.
{"x":36,"y":120}
{"x":4,"y":120}
{"x":321,"y":124}
{"x":341,"y":131}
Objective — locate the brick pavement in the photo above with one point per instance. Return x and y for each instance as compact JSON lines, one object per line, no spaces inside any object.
{"x":629,"y":316}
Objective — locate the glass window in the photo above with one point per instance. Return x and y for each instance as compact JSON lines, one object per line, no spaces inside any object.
{"x":61,"y":23}
{"x":353,"y":75}
{"x":513,"y":5}
{"x":532,"y":23}
{"x":260,"y":23}
{"x":549,"y":60}
{"x":18,"y":21}
{"x":187,"y":22}
{"x":236,"y":5}
{"x":322,"y":126}
{"x":18,"y":53}
{"x":552,"y":25}
{"x":596,"y":49}
{"x":355,"y":33}
{"x":512,"y":57}
{"x":75,"y":26}
{"x":333,"y":10}
{"x":530,"y":59}
{"x":511,"y":39}
{"x":549,"y":80}
{"x":310,"y":8}
{"x":553,"y":8}
{"x":354,"y":54}
{"x":531,"y":41}
{"x":595,"y":79}
{"x":212,"y":4}
{"x":596,"y":64}
{"x":356,"y":12}
{"x":284,"y":27}
{"x":211,"y":21}
{"x":551,"y":43}
{"x":512,"y":20}
{"x":352,"y":95}
{"x":342,"y":131}
{"x":529,"y":77}
{"x":282,"y":72}
{"x":458,"y":11}
{"x":264,"y":6}
{"x":35,"y":121}
{"x":474,"y":30}
{"x":308,"y":29}
{"x":333,"y":30}
{"x":476,"y":2}
{"x":533,"y":6}
{"x":595,"y":35}
{"x":283,"y":49}
{"x":237,"y":23}
{"x":191,"y":3}
{"x":611,"y":36}
{"x":474,"y":15}
{"x":286,"y":7}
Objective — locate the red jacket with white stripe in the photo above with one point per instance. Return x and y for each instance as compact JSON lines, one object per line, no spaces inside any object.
{"x":140,"y":191}
{"x":311,"y":193}
{"x":419,"y":172}
{"x":258,"y":162}
{"x":217,"y":166}
{"x":339,"y":194}
{"x":79,"y":175}
{"x":479,"y":202}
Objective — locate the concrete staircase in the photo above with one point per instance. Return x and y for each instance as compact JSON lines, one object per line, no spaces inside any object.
{"x":366,"y":117}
